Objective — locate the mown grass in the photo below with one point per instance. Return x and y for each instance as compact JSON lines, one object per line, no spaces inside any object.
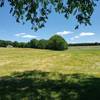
{"x":75,"y":60}
{"x":33,"y":74}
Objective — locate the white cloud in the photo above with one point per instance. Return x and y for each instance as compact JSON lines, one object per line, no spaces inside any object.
{"x":76,"y":37}
{"x":64,"y":33}
{"x":28,"y":36}
{"x":82,"y":34}
{"x":20,"y":34}
{"x":86,"y":34}
{"x":25,"y":35}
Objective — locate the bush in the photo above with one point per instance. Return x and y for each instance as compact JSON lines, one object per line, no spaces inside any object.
{"x":56,"y":42}
{"x":42,"y":44}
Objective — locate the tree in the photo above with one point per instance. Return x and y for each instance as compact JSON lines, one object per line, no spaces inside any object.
{"x":2,"y":43}
{"x":42,"y":44}
{"x":37,"y":11}
{"x":33,"y":43}
{"x":5,"y":43}
{"x":15,"y":44}
{"x":56,"y":42}
{"x":22,"y":45}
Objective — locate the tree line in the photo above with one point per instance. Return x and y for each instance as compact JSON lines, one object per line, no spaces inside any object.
{"x":84,"y":44}
{"x":56,"y":42}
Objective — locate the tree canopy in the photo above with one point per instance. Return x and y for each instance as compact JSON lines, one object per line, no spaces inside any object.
{"x":37,"y":11}
{"x":57,"y":42}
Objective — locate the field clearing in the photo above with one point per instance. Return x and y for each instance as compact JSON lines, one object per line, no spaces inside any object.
{"x":33,"y":74}
{"x":84,"y":60}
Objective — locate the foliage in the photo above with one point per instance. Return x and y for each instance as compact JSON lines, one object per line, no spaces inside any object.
{"x":4,"y":43}
{"x":22,"y":45}
{"x":15,"y":44}
{"x":37,"y":11}
{"x":33,"y":43}
{"x":85,"y":44}
{"x":56,"y":42}
{"x":42,"y":44}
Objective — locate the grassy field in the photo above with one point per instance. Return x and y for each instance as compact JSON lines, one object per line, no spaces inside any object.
{"x":75,"y":60}
{"x":33,"y":74}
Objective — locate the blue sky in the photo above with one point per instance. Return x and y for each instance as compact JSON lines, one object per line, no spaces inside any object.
{"x":56,"y":24}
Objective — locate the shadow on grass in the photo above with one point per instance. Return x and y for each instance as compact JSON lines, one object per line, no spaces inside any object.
{"x":37,"y":85}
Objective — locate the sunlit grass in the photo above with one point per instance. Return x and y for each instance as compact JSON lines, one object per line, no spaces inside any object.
{"x":75,"y":60}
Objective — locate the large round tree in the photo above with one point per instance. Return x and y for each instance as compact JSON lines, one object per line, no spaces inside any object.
{"x":56,"y":42}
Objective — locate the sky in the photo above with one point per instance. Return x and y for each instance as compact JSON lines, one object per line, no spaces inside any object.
{"x":56,"y":24}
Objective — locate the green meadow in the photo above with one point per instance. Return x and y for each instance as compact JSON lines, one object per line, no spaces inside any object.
{"x":34,"y":74}
{"x":74,"y":60}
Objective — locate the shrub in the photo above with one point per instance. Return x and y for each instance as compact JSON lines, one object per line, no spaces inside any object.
{"x":56,"y":42}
